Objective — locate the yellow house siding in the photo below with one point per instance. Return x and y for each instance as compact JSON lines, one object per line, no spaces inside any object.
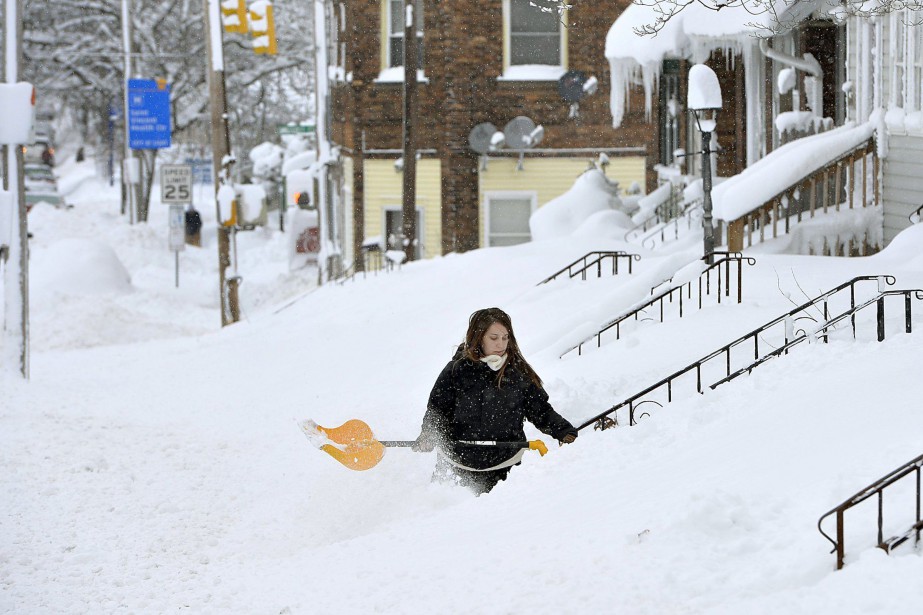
{"x":548,"y":178}
{"x":383,"y":186}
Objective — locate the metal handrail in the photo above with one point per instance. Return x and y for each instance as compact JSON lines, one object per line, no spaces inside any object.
{"x":915,"y":216}
{"x":668,"y":295}
{"x":695,"y":206}
{"x":664,"y":212}
{"x":602,"y":421}
{"x":876,"y":488}
{"x":600,"y":256}
{"x":830,"y":324}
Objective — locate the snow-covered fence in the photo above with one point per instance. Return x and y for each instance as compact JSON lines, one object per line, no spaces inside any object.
{"x":851,"y":179}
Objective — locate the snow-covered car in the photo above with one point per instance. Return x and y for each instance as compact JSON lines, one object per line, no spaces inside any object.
{"x":41,"y":186}
{"x":39,"y":151}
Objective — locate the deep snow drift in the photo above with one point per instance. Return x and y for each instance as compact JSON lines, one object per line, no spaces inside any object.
{"x":153,"y":462}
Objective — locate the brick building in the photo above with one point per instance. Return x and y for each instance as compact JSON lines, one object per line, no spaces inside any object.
{"x":481,"y":61}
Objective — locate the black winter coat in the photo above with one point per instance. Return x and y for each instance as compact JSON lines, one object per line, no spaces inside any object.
{"x":466,"y":404}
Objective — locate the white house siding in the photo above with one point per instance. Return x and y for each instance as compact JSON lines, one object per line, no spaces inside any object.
{"x":902,"y":182}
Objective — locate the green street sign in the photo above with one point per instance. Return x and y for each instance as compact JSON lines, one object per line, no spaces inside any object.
{"x":295,"y":129}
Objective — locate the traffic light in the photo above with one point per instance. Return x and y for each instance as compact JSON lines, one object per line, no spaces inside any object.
{"x":234,"y":16}
{"x":262,"y":27}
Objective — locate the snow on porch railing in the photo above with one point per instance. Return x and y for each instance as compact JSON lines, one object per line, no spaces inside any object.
{"x":825,"y":172}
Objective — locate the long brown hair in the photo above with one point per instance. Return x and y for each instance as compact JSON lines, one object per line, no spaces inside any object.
{"x":478,"y":324}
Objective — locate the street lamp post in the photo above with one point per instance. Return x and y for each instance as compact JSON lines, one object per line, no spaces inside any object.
{"x":704,"y":96}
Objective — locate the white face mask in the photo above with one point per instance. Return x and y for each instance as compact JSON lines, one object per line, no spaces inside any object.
{"x":494,"y":362}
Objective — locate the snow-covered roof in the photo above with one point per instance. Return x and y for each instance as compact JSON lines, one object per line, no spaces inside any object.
{"x":692,"y":33}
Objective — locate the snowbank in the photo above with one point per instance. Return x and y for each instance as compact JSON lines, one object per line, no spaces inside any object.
{"x":591,"y":194}
{"x":78,"y":266}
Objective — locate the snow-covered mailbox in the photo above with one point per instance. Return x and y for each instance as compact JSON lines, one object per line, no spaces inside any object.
{"x":251,"y":205}
{"x":17,"y":100}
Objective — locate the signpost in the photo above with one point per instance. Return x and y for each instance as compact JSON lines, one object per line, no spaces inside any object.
{"x":176,"y":191}
{"x":148,"y":114}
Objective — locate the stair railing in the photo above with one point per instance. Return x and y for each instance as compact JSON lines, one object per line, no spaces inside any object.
{"x":720,"y":270}
{"x":670,"y":204}
{"x":876,"y":489}
{"x":821,"y":332}
{"x":825,"y":184}
{"x":915,"y":216}
{"x":670,"y":230}
{"x":593,"y":259}
{"x":787,"y":321}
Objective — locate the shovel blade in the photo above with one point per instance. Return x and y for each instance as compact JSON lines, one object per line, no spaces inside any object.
{"x":354,"y":445}
{"x":351,"y":431}
{"x":357,"y":456}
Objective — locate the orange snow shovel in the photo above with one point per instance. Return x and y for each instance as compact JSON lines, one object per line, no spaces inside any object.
{"x":354,"y":445}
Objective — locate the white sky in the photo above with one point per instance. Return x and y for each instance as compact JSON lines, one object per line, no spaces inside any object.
{"x":153,"y":463}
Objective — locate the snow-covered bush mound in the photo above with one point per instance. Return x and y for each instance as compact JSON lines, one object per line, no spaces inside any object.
{"x":591,"y":194}
{"x":78,"y":266}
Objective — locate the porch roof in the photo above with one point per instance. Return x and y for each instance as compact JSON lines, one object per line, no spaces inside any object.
{"x":696,"y":27}
{"x":692,"y":33}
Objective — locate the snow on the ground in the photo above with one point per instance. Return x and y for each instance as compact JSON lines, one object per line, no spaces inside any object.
{"x":153,"y":462}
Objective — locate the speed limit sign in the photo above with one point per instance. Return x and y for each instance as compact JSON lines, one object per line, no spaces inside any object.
{"x":176,"y":184}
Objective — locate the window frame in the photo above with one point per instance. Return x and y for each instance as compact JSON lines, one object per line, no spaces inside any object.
{"x":421,"y":228}
{"x":387,"y":35}
{"x":529,"y":195}
{"x":509,"y":69}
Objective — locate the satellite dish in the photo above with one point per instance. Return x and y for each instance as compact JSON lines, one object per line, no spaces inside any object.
{"x":480,"y":136}
{"x":570,"y":85}
{"x":517,"y":131}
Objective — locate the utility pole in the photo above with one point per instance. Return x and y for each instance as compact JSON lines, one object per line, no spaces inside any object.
{"x":15,"y":328}
{"x":409,"y":192}
{"x":221,"y":161}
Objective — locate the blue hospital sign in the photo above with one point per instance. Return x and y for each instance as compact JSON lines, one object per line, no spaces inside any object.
{"x":148,"y":114}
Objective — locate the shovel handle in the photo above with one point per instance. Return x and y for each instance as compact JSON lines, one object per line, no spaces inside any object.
{"x":494,"y":443}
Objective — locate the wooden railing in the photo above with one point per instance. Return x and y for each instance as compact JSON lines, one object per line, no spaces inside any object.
{"x":838,"y":183}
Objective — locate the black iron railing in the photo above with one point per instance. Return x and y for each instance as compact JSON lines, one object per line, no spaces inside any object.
{"x":670,"y":229}
{"x":876,"y":489}
{"x":671,"y":206}
{"x":594,"y":261}
{"x":822,"y":331}
{"x":784,"y":325}
{"x":718,"y":273}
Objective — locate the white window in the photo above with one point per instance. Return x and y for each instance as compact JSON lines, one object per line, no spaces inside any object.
{"x":533,"y":36}
{"x":394,"y":230}
{"x":507,"y":220}
{"x":395,"y":34}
